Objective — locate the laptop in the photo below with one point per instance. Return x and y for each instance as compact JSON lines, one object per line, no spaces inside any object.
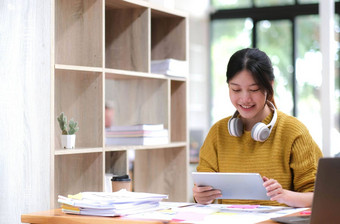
{"x":326,"y":201}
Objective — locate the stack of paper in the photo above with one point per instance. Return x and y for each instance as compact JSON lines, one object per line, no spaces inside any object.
{"x":143,"y":134}
{"x":171,"y":67}
{"x":118,"y":203}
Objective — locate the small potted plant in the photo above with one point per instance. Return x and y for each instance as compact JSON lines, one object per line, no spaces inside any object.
{"x":68,"y":137}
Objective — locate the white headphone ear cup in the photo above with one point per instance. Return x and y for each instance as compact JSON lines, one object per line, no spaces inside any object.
{"x":260,"y":132}
{"x":235,"y":127}
{"x":230,"y":130}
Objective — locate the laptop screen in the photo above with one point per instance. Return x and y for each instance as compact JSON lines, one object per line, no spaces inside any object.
{"x":326,"y":202}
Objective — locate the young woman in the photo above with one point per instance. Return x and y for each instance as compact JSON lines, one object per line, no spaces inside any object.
{"x":259,"y":139}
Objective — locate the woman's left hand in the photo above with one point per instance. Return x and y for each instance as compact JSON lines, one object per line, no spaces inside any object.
{"x":283,"y":196}
{"x":274,"y":190}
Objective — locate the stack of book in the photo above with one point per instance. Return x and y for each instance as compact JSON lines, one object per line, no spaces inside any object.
{"x":142,"y":134}
{"x":171,"y":67}
{"x":118,"y":203}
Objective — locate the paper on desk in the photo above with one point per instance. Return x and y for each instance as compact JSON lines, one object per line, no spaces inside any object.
{"x":177,"y":212}
{"x":139,"y":208}
{"x":248,"y":215}
{"x":109,"y":200}
{"x":248,"y":208}
{"x":110,"y":204}
{"x":215,"y":213}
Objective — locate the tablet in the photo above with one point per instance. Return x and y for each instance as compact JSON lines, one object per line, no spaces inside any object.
{"x":233,"y":185}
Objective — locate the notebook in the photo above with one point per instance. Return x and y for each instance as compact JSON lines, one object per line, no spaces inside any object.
{"x":326,"y":201}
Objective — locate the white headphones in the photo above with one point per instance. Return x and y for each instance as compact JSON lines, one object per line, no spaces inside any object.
{"x":260,"y":132}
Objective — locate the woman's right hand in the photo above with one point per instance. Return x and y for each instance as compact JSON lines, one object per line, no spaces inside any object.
{"x":205,"y":195}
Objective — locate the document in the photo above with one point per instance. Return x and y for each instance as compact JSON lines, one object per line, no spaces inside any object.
{"x":110,"y":204}
{"x":214,"y":213}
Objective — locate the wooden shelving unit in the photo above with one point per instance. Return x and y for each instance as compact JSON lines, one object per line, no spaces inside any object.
{"x":102,"y":50}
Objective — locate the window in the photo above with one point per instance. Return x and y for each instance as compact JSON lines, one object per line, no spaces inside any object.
{"x":262,"y":3}
{"x":231,"y":4}
{"x":273,"y":37}
{"x":308,"y":74}
{"x":224,"y":44}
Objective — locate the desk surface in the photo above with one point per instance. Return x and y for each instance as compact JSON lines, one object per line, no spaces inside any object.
{"x":56,"y":216}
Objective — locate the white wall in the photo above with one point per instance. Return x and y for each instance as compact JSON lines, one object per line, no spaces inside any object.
{"x":24,"y":108}
{"x":199,"y":92}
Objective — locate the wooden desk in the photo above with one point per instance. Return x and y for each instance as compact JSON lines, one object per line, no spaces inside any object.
{"x":56,"y":216}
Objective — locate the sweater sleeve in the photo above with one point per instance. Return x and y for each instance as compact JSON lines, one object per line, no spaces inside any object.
{"x":304,"y":160}
{"x":208,"y":153}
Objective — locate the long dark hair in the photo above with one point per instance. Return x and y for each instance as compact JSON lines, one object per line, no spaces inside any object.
{"x":258,"y":64}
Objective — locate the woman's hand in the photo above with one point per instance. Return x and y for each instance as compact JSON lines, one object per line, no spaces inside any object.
{"x":205,"y":195}
{"x":290,"y":198}
{"x":274,"y":190}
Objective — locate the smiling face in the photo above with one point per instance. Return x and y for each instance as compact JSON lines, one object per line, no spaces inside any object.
{"x":248,"y":98}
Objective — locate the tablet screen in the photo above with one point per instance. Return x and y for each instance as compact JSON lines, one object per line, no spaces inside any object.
{"x":233,"y":185}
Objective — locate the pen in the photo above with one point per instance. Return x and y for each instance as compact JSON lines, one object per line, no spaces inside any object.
{"x":183,"y":206}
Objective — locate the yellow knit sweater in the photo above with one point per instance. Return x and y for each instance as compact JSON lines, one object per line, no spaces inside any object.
{"x":289,"y":155}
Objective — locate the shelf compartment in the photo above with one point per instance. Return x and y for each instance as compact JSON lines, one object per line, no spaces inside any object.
{"x":79,"y":95}
{"x":138,"y":101}
{"x":162,"y":171}
{"x":78,"y":32}
{"x":178,"y":111}
{"x":78,"y":173}
{"x":126,"y":36}
{"x":168,"y":36}
{"x":116,"y":162}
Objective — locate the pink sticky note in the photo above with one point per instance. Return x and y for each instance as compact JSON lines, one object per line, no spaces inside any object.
{"x":244,"y":206}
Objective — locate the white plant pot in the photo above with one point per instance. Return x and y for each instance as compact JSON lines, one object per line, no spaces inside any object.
{"x":68,"y":141}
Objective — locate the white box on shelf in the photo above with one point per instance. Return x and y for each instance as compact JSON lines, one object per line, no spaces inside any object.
{"x":170,"y":66}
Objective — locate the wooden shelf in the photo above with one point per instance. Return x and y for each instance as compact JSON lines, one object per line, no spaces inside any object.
{"x":102,"y":51}
{"x":123,"y":74}
{"x":78,"y":68}
{"x":77,"y":151}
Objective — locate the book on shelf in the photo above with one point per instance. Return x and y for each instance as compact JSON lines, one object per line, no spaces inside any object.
{"x":137,"y":140}
{"x":170,"y":66}
{"x":141,"y":133}
{"x":136,"y":127}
